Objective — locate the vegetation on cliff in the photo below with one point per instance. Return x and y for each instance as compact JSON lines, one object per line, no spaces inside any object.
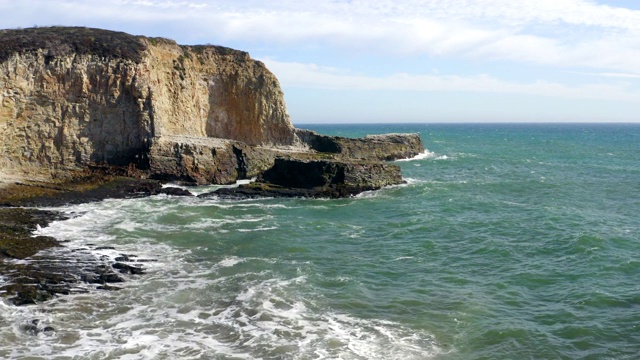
{"x":62,"y":41}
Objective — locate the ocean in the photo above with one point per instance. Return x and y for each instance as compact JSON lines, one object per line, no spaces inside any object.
{"x":508,"y":241}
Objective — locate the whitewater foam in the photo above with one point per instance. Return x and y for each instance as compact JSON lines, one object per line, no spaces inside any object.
{"x":190,"y":306}
{"x":425,"y":155}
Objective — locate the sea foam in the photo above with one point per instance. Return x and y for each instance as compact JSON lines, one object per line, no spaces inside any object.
{"x":425,"y":155}
{"x":191,"y":307}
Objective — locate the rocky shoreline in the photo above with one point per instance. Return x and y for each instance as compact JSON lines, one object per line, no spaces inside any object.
{"x":53,"y":269}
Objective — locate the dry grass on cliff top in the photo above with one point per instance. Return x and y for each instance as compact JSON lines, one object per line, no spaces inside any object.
{"x":61,"y":41}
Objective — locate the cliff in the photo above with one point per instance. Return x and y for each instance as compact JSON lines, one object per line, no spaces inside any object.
{"x":73,"y":99}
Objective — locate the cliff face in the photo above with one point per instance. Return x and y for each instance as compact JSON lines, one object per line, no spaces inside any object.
{"x":214,"y":92}
{"x":72,"y":97}
{"x":77,"y":98}
{"x":70,"y":111}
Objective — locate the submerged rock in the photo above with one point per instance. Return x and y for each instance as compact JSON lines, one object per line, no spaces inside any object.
{"x":33,"y":328}
{"x":128,"y":269}
{"x":16,"y":227}
{"x":47,"y":268}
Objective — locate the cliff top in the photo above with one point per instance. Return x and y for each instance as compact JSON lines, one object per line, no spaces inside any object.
{"x":61,"y":41}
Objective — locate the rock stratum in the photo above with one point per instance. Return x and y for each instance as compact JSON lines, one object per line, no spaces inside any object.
{"x":73,"y":99}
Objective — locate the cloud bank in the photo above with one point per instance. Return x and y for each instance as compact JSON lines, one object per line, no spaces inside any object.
{"x":565,"y":33}
{"x":313,"y":76}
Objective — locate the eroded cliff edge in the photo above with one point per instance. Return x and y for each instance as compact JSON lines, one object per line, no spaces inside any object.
{"x":73,"y":99}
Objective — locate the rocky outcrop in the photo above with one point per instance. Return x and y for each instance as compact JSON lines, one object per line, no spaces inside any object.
{"x":316,"y":178}
{"x":220,"y":161}
{"x":371,"y":147}
{"x":202,"y":160}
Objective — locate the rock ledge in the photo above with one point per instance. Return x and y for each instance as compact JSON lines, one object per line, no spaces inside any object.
{"x":316,"y":178}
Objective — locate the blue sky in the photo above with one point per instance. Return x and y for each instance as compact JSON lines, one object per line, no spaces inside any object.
{"x":403,"y":61}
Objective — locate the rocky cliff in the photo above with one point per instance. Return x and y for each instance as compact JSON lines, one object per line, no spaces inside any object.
{"x":72,"y":97}
{"x":79,"y":98}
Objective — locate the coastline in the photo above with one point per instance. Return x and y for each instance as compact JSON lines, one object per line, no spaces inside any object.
{"x":30,"y":282}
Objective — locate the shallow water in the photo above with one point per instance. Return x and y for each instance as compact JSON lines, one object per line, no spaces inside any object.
{"x":508,"y":241}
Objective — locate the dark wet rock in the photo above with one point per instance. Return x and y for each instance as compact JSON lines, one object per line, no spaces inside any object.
{"x":91,"y":188}
{"x":32,"y":328}
{"x":175,"y":191}
{"x":30,"y":294}
{"x":355,"y":175}
{"x":383,"y":147}
{"x":59,"y":271}
{"x":316,"y":179}
{"x":146,"y":260}
{"x":110,"y":277}
{"x":90,"y":278}
{"x":122,"y":258}
{"x":128,"y":269}
{"x":261,"y":190}
{"x":62,"y":289}
{"x":16,"y":226}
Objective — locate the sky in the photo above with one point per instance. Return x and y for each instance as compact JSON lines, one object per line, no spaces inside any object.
{"x":433,"y":61}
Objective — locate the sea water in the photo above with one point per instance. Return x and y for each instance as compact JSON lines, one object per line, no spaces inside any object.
{"x":506,"y":242}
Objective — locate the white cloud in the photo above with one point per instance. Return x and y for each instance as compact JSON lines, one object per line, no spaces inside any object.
{"x":564,"y":33}
{"x":619,"y":75}
{"x":315,"y":76}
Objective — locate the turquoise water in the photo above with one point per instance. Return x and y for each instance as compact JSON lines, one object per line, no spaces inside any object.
{"x":508,"y":241}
